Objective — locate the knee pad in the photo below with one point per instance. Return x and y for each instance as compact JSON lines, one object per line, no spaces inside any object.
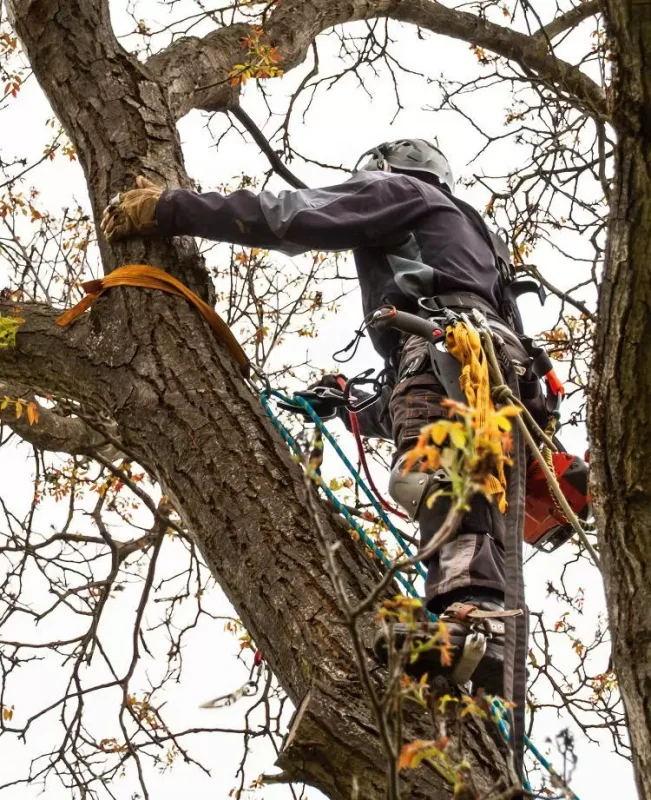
{"x":409,"y":489}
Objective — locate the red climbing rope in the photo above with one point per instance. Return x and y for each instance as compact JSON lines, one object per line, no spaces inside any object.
{"x":354,"y":425}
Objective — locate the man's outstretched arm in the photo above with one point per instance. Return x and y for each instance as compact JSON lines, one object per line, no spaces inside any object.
{"x":362,"y":211}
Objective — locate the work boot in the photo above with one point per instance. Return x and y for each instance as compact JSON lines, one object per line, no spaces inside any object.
{"x":475,"y":627}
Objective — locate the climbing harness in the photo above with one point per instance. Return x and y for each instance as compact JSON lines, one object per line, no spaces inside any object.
{"x":247,"y":689}
{"x":556,"y":494}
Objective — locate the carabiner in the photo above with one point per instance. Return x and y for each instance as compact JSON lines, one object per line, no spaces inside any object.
{"x":248,"y":689}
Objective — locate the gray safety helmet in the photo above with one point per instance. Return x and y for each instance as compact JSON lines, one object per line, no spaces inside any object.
{"x":410,"y":155}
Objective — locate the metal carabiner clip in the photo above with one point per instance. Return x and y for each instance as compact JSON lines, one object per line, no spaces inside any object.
{"x":363,"y":379}
{"x":246,"y":690}
{"x":249,"y":688}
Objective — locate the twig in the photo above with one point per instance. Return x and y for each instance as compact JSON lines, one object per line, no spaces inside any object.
{"x":261,"y":140}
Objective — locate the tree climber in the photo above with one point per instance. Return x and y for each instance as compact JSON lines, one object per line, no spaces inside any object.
{"x":415,"y":246}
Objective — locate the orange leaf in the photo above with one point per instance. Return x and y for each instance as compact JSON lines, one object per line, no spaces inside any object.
{"x":410,"y":751}
{"x":32,"y":413}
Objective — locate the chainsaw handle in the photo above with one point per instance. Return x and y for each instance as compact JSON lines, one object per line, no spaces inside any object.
{"x":554,"y":383}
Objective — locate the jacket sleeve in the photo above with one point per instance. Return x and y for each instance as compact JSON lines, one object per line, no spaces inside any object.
{"x":362,"y":211}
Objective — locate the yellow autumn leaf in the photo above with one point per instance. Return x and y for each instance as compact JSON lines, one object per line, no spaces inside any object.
{"x":19,"y":409}
{"x":32,"y":413}
{"x":457,"y":436}
{"x":503,"y":423}
{"x":7,"y":713}
{"x":510,"y":411}
{"x":439,"y":431}
{"x":4,"y":404}
{"x":433,"y":457}
{"x":445,"y":701}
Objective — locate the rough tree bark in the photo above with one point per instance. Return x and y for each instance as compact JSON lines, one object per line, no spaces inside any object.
{"x":620,"y":420}
{"x":151,"y":365}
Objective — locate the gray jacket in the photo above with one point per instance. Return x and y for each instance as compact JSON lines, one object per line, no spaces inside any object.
{"x":408,"y":237}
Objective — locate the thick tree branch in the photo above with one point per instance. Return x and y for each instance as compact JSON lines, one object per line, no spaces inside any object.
{"x":48,"y":361}
{"x":47,"y":358}
{"x":567,"y":21}
{"x":195,"y":71}
{"x":53,"y":431}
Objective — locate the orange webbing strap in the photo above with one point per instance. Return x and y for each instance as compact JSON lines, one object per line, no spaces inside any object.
{"x":465,"y":345}
{"x":463,"y":342}
{"x":147,"y":277}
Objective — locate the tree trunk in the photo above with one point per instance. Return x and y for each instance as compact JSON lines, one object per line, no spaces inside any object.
{"x":150,"y":363}
{"x":620,"y":418}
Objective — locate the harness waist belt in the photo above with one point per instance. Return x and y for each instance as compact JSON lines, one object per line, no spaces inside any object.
{"x":468,"y":300}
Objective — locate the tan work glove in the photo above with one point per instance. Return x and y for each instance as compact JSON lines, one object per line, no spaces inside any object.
{"x":132,"y":213}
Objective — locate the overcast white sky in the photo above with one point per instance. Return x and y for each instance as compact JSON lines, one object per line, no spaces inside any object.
{"x":343,"y":123}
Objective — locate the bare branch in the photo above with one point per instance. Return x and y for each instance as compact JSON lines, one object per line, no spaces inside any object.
{"x":52,"y":431}
{"x":259,"y":138}
{"x":567,"y":21}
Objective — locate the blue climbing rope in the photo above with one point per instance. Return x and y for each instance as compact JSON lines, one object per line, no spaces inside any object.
{"x":302,"y":403}
{"x":359,"y":530}
{"x":498,"y":711}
